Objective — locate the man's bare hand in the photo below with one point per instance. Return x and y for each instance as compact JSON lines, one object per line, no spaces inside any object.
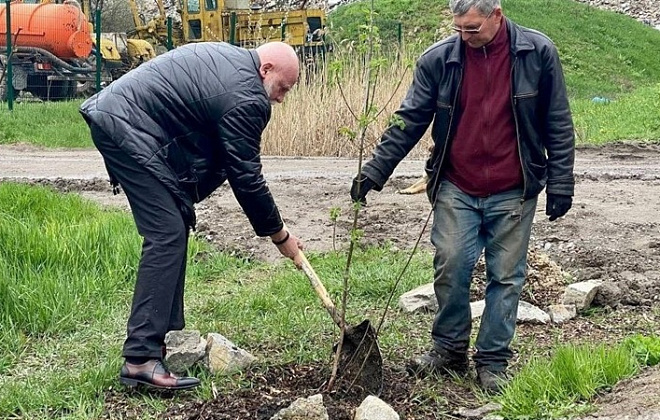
{"x":288,"y":245}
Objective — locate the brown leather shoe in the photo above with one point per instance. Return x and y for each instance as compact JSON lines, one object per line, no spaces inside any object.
{"x":155,"y":375}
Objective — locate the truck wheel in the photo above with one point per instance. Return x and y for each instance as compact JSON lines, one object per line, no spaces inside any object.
{"x":36,"y":85}
{"x":73,"y":89}
{"x":84,"y":89}
{"x":18,"y":75}
{"x":59,"y":90}
{"x":3,"y":85}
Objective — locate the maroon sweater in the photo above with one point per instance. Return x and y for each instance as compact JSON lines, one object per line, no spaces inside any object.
{"x":483,"y":158}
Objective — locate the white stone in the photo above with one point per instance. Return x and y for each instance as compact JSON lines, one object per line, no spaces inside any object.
{"x":419,"y":299}
{"x":581,"y":294}
{"x":479,"y":413}
{"x":373,"y":408}
{"x":529,"y":313}
{"x":561,"y":313}
{"x":526,"y":312}
{"x":184,"y":349}
{"x":477,"y":308}
{"x":311,"y":408}
{"x":223,"y":356}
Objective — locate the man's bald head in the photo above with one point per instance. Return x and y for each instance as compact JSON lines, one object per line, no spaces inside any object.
{"x":279,"y":69}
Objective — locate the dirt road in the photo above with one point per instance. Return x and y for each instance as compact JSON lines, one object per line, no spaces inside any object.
{"x":612,"y":233}
{"x":616,"y":208}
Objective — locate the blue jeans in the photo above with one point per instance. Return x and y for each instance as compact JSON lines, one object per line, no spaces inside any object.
{"x":463,"y":227}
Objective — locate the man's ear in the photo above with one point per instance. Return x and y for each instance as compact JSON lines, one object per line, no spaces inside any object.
{"x":265,"y":69}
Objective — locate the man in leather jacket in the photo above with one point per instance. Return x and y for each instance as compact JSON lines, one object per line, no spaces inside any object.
{"x":502,"y":132}
{"x":170,"y":132}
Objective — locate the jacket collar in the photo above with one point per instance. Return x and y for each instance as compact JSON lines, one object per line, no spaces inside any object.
{"x":517,"y":38}
{"x":519,"y":41}
{"x":255,"y":59}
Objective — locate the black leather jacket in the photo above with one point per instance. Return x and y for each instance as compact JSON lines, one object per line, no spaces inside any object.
{"x":193,"y":117}
{"x":544,"y":126}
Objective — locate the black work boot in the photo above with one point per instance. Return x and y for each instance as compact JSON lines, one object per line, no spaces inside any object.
{"x":438,"y":363}
{"x":491,"y":381}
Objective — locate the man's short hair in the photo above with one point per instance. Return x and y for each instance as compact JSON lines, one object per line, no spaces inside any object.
{"x":461,"y":7}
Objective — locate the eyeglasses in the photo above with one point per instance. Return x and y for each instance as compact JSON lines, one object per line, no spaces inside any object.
{"x":472,"y":31}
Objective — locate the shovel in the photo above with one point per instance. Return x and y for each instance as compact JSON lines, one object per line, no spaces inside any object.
{"x":360,"y":358}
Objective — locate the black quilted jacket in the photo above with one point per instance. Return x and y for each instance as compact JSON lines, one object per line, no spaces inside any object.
{"x":194,"y":117}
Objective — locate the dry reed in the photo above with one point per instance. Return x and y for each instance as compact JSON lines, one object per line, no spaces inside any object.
{"x":310,"y":120}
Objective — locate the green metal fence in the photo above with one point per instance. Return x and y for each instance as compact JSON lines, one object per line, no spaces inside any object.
{"x":57,"y":50}
{"x":47,"y":52}
{"x":7,"y":70}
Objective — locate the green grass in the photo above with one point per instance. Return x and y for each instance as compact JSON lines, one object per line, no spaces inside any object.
{"x":421,"y":22}
{"x":645,"y":348}
{"x":66,"y":268}
{"x":603,"y":53}
{"x":635,"y":116}
{"x":67,"y":271}
{"x":285,"y":305}
{"x":51,"y":124}
{"x":563,"y":385}
{"x":58,"y":259}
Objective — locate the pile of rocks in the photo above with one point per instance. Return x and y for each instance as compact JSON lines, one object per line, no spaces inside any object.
{"x":645,"y":11}
{"x":577,"y":297}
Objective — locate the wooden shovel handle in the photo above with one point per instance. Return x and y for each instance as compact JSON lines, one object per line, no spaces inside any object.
{"x":319,"y":288}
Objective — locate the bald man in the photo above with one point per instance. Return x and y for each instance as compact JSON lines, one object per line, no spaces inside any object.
{"x":170,"y":132}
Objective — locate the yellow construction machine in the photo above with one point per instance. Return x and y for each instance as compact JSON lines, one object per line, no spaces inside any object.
{"x":119,"y":52}
{"x":236,"y":22}
{"x":53,"y":54}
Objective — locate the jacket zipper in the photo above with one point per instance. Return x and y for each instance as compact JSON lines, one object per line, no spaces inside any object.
{"x":526,"y":95}
{"x":486,"y":122}
{"x":515,"y":120}
{"x":444,"y":149}
{"x":194,"y":174}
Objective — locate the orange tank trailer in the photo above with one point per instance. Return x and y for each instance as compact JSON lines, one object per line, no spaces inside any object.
{"x":61,"y":29}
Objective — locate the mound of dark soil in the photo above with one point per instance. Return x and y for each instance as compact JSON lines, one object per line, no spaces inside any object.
{"x":273,"y":388}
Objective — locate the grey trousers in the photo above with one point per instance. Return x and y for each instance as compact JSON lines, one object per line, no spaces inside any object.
{"x":158,"y":297}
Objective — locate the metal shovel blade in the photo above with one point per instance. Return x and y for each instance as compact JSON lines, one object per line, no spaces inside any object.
{"x":360,"y":361}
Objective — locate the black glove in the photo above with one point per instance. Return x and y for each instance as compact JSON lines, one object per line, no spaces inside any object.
{"x":361,"y":186}
{"x":557,"y":205}
{"x":188,"y":215}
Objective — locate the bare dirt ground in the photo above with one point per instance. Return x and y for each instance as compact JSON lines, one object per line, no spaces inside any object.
{"x":612,"y":233}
